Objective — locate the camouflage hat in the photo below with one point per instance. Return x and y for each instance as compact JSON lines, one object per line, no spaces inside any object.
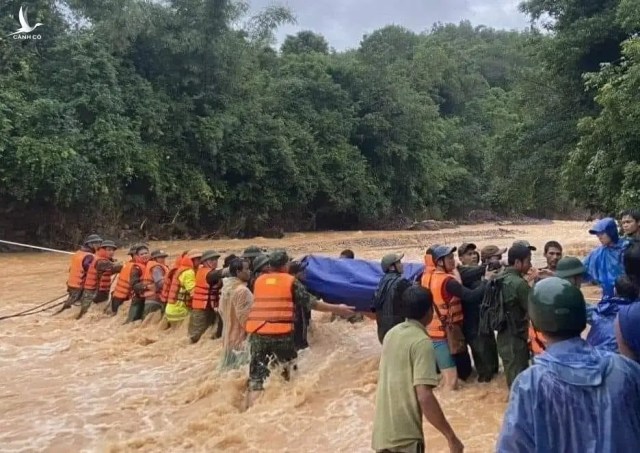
{"x":278,"y":258}
{"x":524,"y":244}
{"x":109,"y":244}
{"x":92,"y":238}
{"x":389,"y":260}
{"x":251,"y":252}
{"x":260,"y":262}
{"x":210,"y":255}
{"x":159,"y":254}
{"x":569,"y":266}
{"x":491,"y":250}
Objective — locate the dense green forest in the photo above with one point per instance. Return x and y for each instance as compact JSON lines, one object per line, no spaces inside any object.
{"x":184,"y":113}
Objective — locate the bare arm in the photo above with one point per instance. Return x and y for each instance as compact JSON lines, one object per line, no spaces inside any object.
{"x":432,"y":411}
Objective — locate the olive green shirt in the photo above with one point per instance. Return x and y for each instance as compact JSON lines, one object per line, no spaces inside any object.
{"x":408,"y":360}
{"x":515,"y":291}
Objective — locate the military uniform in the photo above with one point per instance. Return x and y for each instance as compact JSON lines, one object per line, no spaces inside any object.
{"x":136,"y":310}
{"x":94,"y":296}
{"x":512,"y":339}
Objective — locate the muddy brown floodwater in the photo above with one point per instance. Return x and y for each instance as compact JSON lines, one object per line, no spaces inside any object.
{"x":98,"y":385}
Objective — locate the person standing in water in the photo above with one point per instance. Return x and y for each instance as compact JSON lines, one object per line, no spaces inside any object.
{"x":574,"y":398}
{"x":80,"y":263}
{"x":604,"y":264}
{"x":386,"y":300}
{"x":98,"y":281}
{"x":406,"y":378}
{"x":153,"y":280}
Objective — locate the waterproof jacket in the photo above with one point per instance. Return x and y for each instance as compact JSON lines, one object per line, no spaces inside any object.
{"x":604,"y":264}
{"x":602,"y":319}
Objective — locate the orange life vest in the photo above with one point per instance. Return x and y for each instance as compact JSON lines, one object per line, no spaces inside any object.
{"x":450,"y":307}
{"x":205,"y":295}
{"x":186,"y":263}
{"x":168,"y":279}
{"x":91,"y":282}
{"x":429,"y":269}
{"x":537,"y":343}
{"x":272,"y":311}
{"x":123,"y":289}
{"x":77,"y":274}
{"x":149,"y":284}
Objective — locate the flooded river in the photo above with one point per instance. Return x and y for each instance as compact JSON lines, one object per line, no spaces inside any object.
{"x":97,"y":385}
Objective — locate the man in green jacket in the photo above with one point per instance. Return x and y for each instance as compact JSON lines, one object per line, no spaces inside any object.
{"x":512,"y":337}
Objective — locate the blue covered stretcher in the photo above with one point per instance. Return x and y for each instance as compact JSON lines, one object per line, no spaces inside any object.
{"x":346,"y":281}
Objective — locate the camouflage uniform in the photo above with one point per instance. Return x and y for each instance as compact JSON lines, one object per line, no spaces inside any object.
{"x":95,"y":296}
{"x":279,"y":349}
{"x":136,"y":310}
{"x":200,"y":320}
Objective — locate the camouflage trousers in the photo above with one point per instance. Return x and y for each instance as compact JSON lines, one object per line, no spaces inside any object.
{"x":267,"y":350}
{"x":74,"y":296}
{"x":136,"y":310}
{"x":86,"y":300}
{"x":152,"y":306}
{"x":199,"y":322}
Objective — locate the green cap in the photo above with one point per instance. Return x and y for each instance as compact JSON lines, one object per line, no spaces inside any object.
{"x":569,"y":266}
{"x":389,"y":260}
{"x":210,"y":255}
{"x":491,"y":250}
{"x":108,"y":243}
{"x":524,"y":244}
{"x":278,"y":258}
{"x":260,"y":262}
{"x":159,"y":254}
{"x":555,"y":305}
{"x":92,"y":238}
{"x":251,"y":252}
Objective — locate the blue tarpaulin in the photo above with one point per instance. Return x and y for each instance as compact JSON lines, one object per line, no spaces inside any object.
{"x":346,"y":281}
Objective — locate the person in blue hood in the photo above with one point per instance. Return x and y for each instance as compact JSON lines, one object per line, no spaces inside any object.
{"x":602,"y":317}
{"x":604,"y":264}
{"x":575,"y":398}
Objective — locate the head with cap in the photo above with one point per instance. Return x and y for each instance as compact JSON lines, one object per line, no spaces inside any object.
{"x":491,"y":254}
{"x":607,"y":231}
{"x":279,"y":260}
{"x":519,"y":258}
{"x":141,"y":253}
{"x":209,"y":259}
{"x":239,"y":268}
{"x":347,"y":254}
{"x":159,"y":256}
{"x":417,"y":304}
{"x":251,"y":252}
{"x":630,"y":221}
{"x":228,"y":260}
{"x":108,"y":248}
{"x":524,"y":243}
{"x":553,"y":254}
{"x":627,"y":332}
{"x":92,"y":241}
{"x":467,"y":254}
{"x":195,"y":256}
{"x":557,"y":309}
{"x":443,"y":257}
{"x":392,"y":262}
{"x":571,"y":269}
{"x":260,"y":264}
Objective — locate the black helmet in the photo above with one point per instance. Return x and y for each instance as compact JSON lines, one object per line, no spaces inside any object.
{"x":92,"y":239}
{"x":556,"y":305}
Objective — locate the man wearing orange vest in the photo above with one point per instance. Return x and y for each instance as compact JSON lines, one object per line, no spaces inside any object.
{"x":98,"y":281}
{"x":141,"y":258}
{"x":121,"y":294}
{"x":183,"y":285}
{"x":153,"y":280}
{"x":270,"y":321}
{"x":448,"y":294}
{"x":80,"y":262}
{"x":206,"y":296}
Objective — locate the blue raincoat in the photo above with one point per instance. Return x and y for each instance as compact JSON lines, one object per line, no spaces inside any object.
{"x":601,"y":318}
{"x":575,"y":398}
{"x":604,"y":264}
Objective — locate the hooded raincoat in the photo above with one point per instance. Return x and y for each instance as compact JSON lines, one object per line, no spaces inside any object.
{"x":575,"y":398}
{"x":602,"y":317}
{"x":604,"y":264}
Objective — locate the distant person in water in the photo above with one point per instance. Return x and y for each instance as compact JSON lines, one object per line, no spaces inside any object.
{"x":358,"y":317}
{"x":604,"y":264}
{"x":235,"y":304}
{"x":347,"y":254}
{"x":406,"y":379}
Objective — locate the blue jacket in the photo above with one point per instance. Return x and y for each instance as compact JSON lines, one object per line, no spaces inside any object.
{"x":574,"y":399}
{"x":604,"y":264}
{"x":601,"y":318}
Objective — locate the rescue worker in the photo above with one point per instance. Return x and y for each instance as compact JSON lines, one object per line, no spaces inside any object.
{"x":512,"y":338}
{"x":251,"y":253}
{"x":575,"y":398}
{"x":259,"y":266}
{"x":467,"y":254}
{"x":98,"y":279}
{"x":183,"y":285}
{"x":553,"y":254}
{"x":533,"y":275}
{"x":122,"y":291}
{"x":630,"y":221}
{"x":303,"y":315}
{"x":168,"y":278}
{"x":270,"y":320}
{"x":206,"y":297}
{"x":347,"y":254}
{"x":235,"y":304}
{"x":448,"y":294}
{"x":80,"y":262}
{"x":604,"y":264}
{"x":627,"y":332}
{"x":153,"y":280}
{"x":388,"y":295}
{"x":568,"y":268}
{"x":136,"y":285}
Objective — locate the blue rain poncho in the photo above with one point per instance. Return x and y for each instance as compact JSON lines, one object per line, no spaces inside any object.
{"x":575,"y":398}
{"x":601,"y":318}
{"x":604,"y":264}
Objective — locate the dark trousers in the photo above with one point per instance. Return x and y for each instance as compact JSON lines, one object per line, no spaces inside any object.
{"x":136,"y":310}
{"x":485,"y":354}
{"x":514,"y":351}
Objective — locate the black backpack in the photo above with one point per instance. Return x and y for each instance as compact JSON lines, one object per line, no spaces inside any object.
{"x":493,"y":315}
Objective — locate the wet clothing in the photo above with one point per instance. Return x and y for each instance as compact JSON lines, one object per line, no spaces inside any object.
{"x":601,"y":318}
{"x":386,"y":302}
{"x":75,"y":284}
{"x":202,"y":319}
{"x":279,"y":349}
{"x":574,"y":398}
{"x":152,"y":301}
{"x":89,"y":296}
{"x":407,"y":360}
{"x":604,"y":264}
{"x":182,"y":286}
{"x":136,"y":310}
{"x":512,"y":340}
{"x":235,"y":304}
